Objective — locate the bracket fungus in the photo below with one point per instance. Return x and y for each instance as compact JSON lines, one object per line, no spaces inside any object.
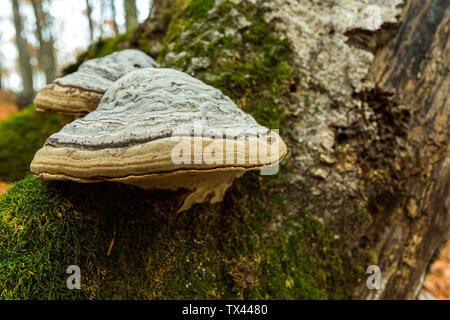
{"x":159,"y":128}
{"x":79,"y":93}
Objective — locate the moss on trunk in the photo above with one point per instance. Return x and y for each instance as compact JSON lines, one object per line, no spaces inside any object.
{"x":231,"y":250}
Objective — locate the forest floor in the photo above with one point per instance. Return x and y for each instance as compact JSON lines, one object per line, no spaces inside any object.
{"x":7,"y":107}
{"x":3,"y":187}
{"x":6,"y":110}
{"x":438,"y":280}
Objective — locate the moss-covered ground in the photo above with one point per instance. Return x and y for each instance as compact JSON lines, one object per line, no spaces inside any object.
{"x":21,"y":135}
{"x":130,"y":243}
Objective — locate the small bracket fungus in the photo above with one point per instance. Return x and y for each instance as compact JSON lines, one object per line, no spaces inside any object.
{"x":80,"y":92}
{"x":161,"y":129}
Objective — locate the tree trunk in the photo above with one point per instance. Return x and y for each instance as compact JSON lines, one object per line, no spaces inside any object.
{"x":1,"y":72}
{"x":102,"y":18}
{"x":46,"y":54}
{"x":367,"y":127}
{"x":1,"y":66}
{"x":415,"y":222}
{"x":130,"y":14}
{"x":24,"y":58}
{"x":91,"y":22}
{"x":113,"y":16}
{"x":366,"y":122}
{"x":154,"y":28}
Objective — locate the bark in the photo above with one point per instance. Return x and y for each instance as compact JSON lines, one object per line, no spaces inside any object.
{"x":24,"y":58}
{"x":374,"y":133}
{"x":415,"y":223}
{"x":130,"y":14}
{"x":46,"y":54}
{"x":91,"y":22}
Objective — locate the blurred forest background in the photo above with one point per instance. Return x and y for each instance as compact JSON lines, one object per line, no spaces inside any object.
{"x":38,"y":38}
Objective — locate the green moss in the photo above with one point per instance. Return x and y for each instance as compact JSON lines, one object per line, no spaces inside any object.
{"x":199,"y":8}
{"x":21,"y":136}
{"x":212,"y":251}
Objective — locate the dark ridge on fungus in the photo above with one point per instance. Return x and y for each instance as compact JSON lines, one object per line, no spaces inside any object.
{"x":79,"y":87}
{"x":131,"y":142}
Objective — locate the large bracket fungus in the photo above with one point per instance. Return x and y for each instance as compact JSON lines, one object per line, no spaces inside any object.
{"x":80,"y":92}
{"x":161,"y":129}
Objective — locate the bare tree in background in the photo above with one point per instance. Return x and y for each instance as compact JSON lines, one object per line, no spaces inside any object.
{"x":1,"y":72}
{"x":1,"y":66}
{"x":46,"y":54}
{"x":103,"y":21}
{"x":91,"y":22}
{"x":113,"y":16}
{"x":24,"y":58}
{"x":130,"y":14}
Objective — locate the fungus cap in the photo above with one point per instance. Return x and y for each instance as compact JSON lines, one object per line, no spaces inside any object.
{"x":80,"y":92}
{"x":161,"y":129}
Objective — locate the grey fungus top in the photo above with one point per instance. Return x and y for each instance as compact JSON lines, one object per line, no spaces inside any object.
{"x":80,"y":92}
{"x":162,"y":129}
